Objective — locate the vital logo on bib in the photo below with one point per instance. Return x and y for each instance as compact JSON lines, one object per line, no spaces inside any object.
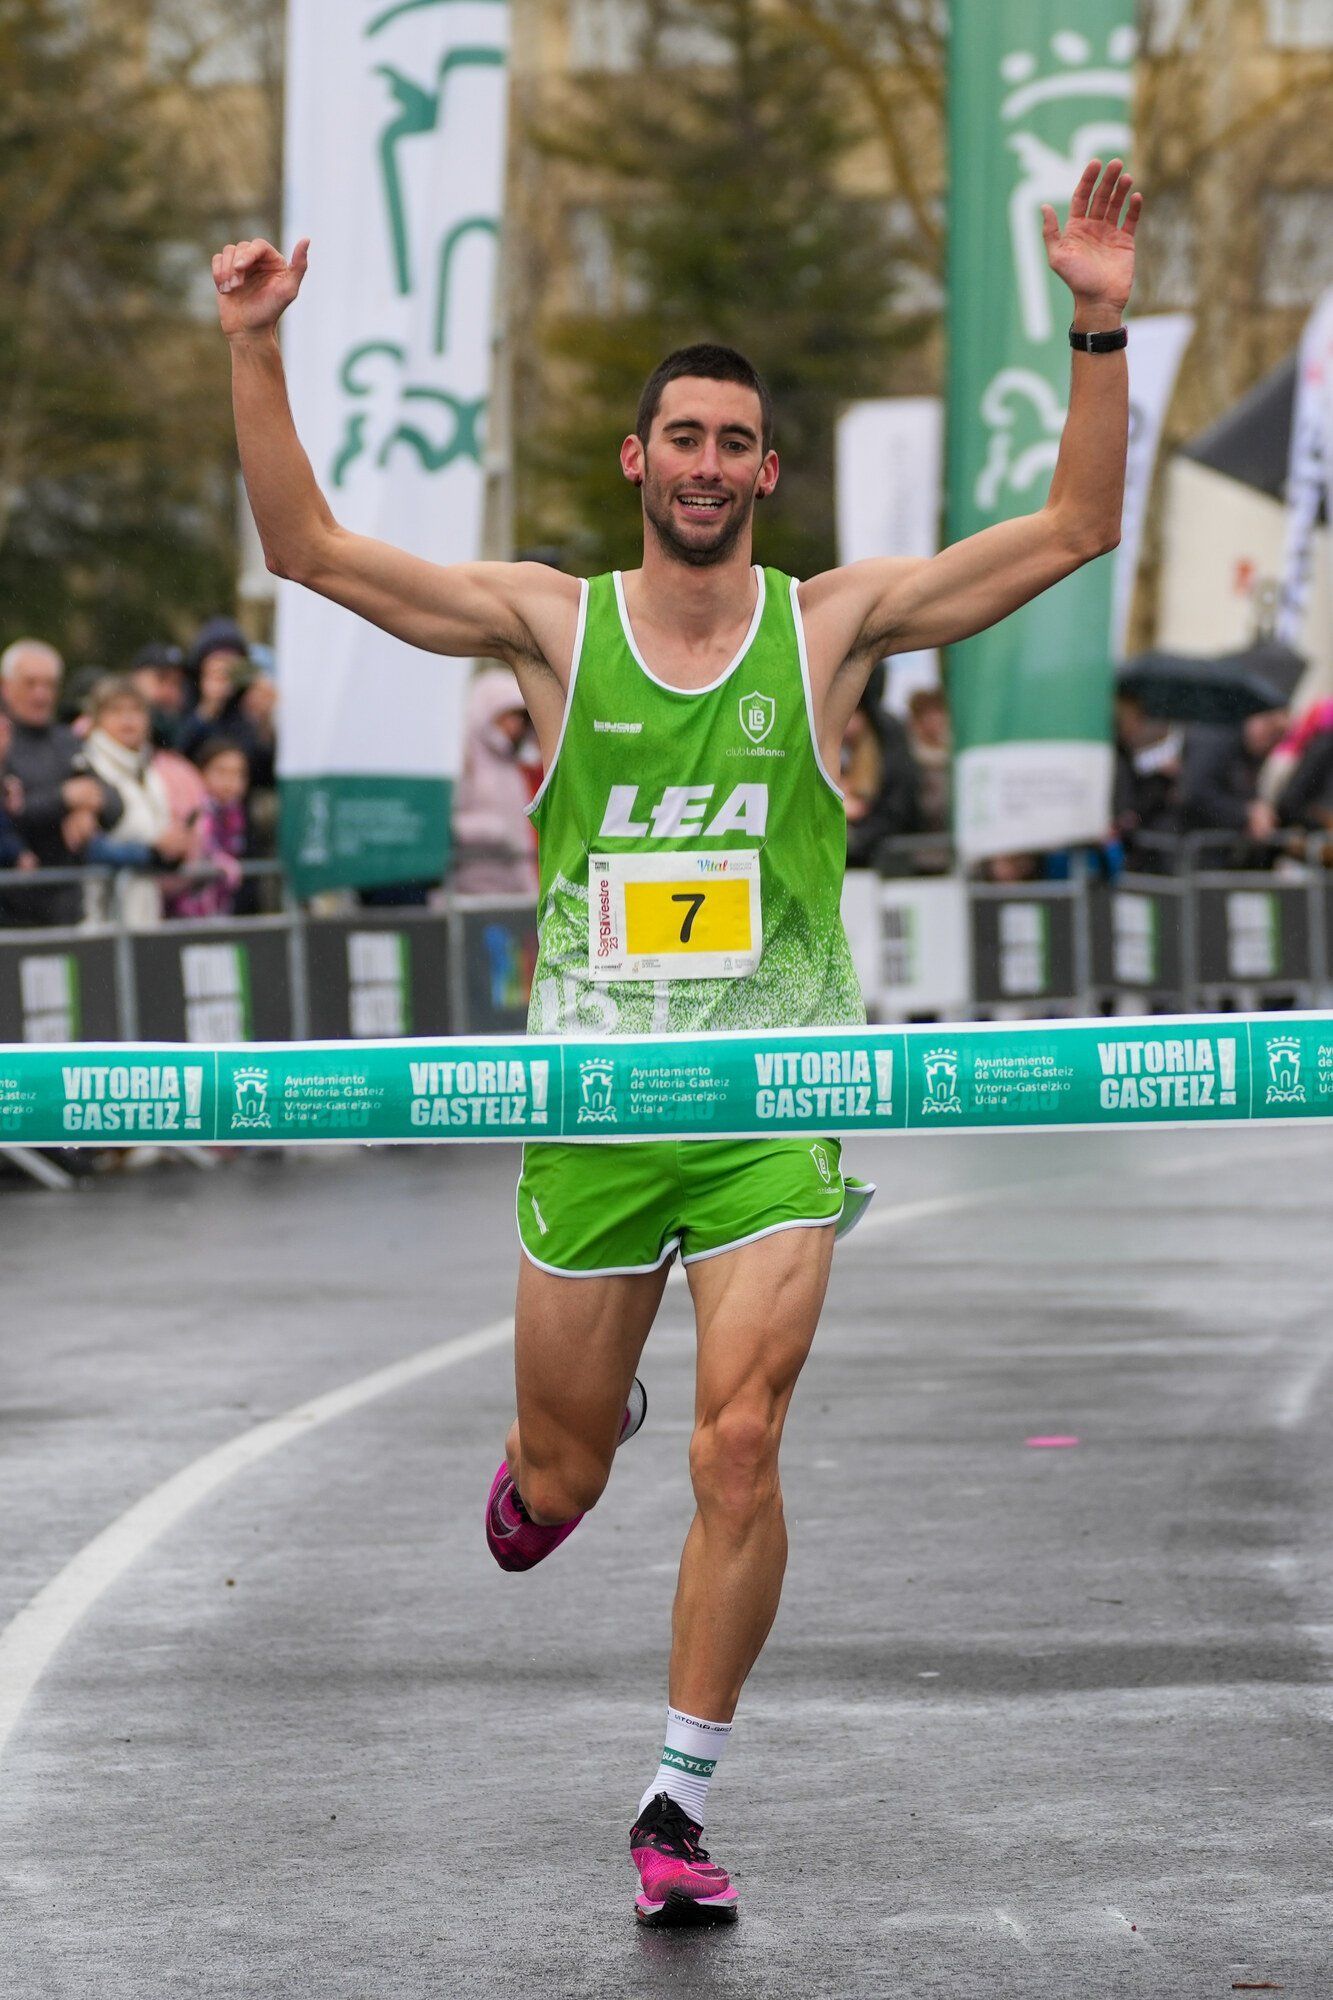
{"x":757,"y":715}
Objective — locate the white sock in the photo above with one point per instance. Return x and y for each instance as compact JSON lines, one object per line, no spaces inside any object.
{"x":689,"y":1758}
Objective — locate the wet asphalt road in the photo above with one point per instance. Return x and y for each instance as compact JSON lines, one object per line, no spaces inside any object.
{"x":1033,"y":1722}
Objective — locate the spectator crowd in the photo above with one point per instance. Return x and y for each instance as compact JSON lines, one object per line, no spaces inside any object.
{"x":163,"y":775}
{"x":895,"y":781}
{"x":164,"y":772}
{"x":1253,"y":790}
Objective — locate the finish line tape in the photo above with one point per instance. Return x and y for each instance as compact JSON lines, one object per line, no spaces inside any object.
{"x":1033,"y":1075}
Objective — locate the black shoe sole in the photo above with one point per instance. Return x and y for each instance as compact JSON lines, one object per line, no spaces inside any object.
{"x":685,"y":1913}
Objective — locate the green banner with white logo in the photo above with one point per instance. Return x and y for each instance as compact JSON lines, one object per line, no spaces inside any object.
{"x":1036,"y":89}
{"x":1039,"y":1075}
{"x":395,"y":145}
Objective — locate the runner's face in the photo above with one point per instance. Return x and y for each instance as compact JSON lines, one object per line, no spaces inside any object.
{"x":703,"y":466}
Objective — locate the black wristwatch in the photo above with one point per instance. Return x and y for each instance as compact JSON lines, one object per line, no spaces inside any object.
{"x":1100,"y":343}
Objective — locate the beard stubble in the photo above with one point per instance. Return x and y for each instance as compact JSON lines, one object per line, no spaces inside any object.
{"x":657,"y":513}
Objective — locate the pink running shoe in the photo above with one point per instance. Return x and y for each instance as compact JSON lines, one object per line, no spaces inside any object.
{"x":519,"y":1543}
{"x":679,"y":1884}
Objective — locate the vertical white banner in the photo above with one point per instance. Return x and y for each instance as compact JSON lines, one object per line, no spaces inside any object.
{"x":396,"y":113}
{"x":1156,"y":347}
{"x":889,"y":454}
{"x":1309,"y":467}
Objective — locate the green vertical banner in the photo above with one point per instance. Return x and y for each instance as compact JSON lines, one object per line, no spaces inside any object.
{"x":1036,"y":89}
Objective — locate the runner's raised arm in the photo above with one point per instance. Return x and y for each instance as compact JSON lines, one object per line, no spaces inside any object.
{"x":524,"y":613}
{"x":891,"y":605}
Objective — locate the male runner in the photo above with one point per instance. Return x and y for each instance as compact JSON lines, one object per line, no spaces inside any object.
{"x":692,"y":708}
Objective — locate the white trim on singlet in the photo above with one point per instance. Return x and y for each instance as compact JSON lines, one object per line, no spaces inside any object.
{"x":575,"y":660}
{"x":761,"y":591}
{"x":809,"y":692}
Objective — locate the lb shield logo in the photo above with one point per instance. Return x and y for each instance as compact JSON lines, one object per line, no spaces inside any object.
{"x":757,"y":715}
{"x":820,"y":1157}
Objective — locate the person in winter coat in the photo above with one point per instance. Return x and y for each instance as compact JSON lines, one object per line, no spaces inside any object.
{"x":232,"y":697}
{"x":879,"y":777}
{"x":148,"y":835}
{"x":56,"y":803}
{"x":494,"y":792}
{"x":1219,"y":782}
{"x":221,"y":830}
{"x":1299,"y":775}
{"x":158,"y":671}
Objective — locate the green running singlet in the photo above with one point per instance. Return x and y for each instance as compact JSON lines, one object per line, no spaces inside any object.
{"x":692,"y":844}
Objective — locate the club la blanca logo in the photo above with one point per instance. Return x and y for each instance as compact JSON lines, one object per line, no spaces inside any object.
{"x":820,"y":1157}
{"x":596,"y":1079}
{"x":941,"y":1066}
{"x":1284,"y":1071}
{"x":757,"y":715}
{"x":251,"y":1112}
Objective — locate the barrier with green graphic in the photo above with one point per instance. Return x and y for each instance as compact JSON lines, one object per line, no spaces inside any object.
{"x":1044,"y":1075}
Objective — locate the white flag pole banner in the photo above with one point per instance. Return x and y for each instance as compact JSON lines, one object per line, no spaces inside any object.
{"x":1309,"y":469}
{"x":889,"y":468}
{"x":1156,"y":348}
{"x":395,"y":169}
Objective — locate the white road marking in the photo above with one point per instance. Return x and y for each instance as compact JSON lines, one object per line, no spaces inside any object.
{"x":1151,"y":1347}
{"x":921,"y":1211}
{"x":948,"y":1204}
{"x":1122,"y":1923}
{"x":1296,"y":1397}
{"x":1003,"y":1918}
{"x":37,"y":1631}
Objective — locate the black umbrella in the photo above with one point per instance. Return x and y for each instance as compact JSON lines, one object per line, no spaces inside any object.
{"x":1227,"y":687}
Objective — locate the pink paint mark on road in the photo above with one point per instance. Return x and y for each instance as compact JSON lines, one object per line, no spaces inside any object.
{"x":1050,"y":1443}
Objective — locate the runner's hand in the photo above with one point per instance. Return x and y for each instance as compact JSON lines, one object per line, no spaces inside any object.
{"x":256,"y":284}
{"x":1095,"y":252}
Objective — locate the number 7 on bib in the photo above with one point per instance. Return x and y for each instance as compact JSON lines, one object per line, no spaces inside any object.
{"x":674,"y":916}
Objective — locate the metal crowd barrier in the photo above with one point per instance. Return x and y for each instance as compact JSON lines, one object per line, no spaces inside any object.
{"x":1177,"y":932}
{"x":1186,"y":936}
{"x":281,"y":974}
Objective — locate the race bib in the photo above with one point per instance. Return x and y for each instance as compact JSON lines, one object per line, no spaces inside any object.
{"x":674,"y":916}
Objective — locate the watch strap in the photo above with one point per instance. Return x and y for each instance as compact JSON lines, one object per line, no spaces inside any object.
{"x":1109,"y":342}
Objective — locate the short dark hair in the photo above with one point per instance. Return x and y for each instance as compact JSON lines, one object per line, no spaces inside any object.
{"x":714,"y":364}
{"x":218,"y":746}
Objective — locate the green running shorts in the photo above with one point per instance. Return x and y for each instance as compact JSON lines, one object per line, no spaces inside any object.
{"x":602,"y":1211}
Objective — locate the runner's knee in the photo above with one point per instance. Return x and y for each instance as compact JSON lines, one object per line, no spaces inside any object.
{"x":734,"y":1460}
